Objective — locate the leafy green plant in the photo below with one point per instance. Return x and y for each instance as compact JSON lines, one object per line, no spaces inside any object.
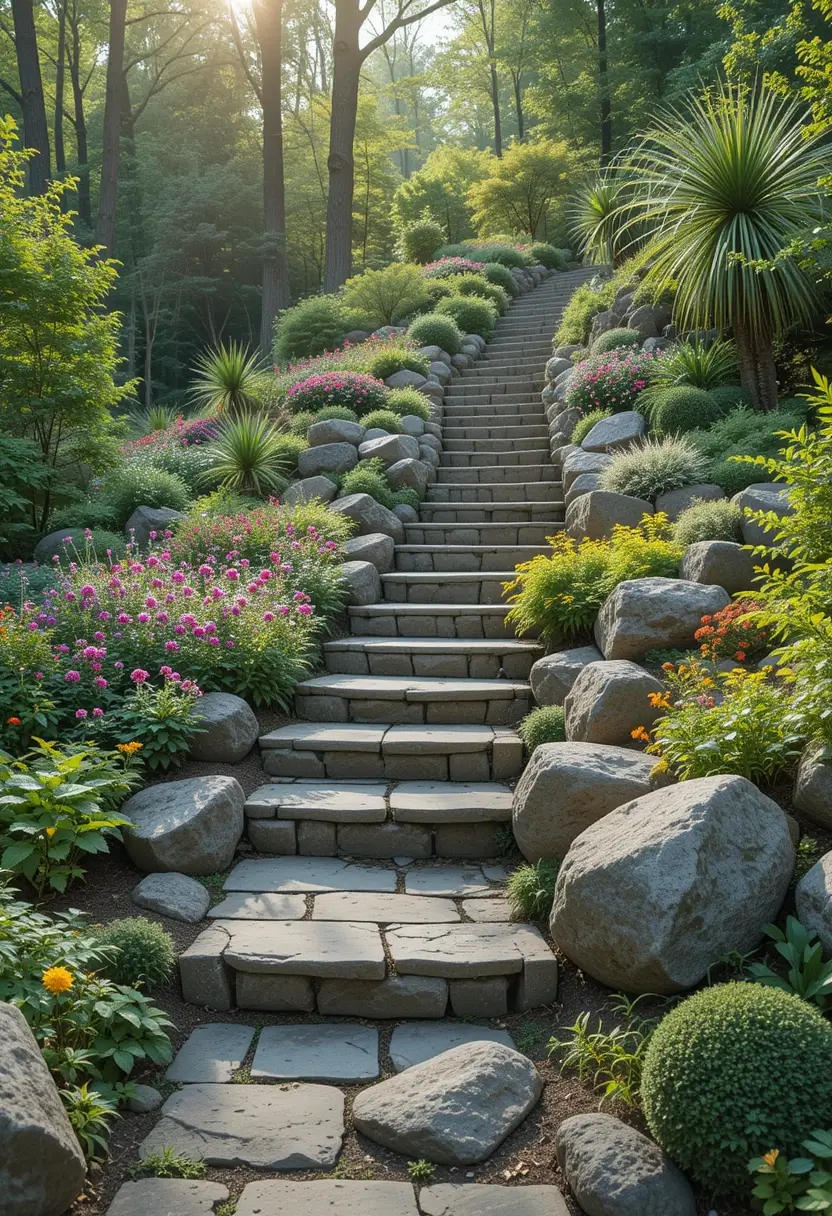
{"x":434,"y":329}
{"x":301,"y":423}
{"x":385,"y":420}
{"x":808,"y":976}
{"x":742,"y":432}
{"x":137,"y":485}
{"x":478,"y":285}
{"x":387,"y":362}
{"x":611,"y":380}
{"x":420,"y":239}
{"x":584,"y":304}
{"x":420,"y":1171}
{"x":530,"y":890}
{"x":675,"y":411}
{"x":154,"y":418}
{"x":544,"y":254}
{"x":227,"y":380}
{"x":697,"y":365}
{"x":91,"y":1114}
{"x":543,"y":725}
{"x":709,"y":519}
{"x":730,"y":397}
{"x":616,"y":339}
{"x":163,"y":719}
{"x":382,"y":297}
{"x":611,"y":1061}
{"x":731,"y":1071}
{"x":312,"y":327}
{"x":369,"y":477}
{"x":802,"y":1184}
{"x":502,"y":276}
{"x":249,"y":457}
{"x":335,"y":411}
{"x":140,"y":952}
{"x":808,"y":853}
{"x":654,"y":467}
{"x":585,"y":424}
{"x":597,"y":222}
{"x":471,"y":314}
{"x":404,"y":401}
{"x":167,"y":1163}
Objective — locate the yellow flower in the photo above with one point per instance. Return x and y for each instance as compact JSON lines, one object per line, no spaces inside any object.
{"x":57,"y":980}
{"x":771,"y":1156}
{"x":129,"y":749}
{"x":50,"y":831}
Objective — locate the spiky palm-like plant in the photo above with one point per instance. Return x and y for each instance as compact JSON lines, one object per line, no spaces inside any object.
{"x":227,"y":380}
{"x":696,"y":364}
{"x":597,"y":218}
{"x":249,"y":457}
{"x":725,"y":186}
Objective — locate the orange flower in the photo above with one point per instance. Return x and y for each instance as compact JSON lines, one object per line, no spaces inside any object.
{"x":659,"y":700}
{"x":13,"y":721}
{"x":668,"y":667}
{"x":640,"y":734}
{"x":771,"y":1156}
{"x":129,"y":749}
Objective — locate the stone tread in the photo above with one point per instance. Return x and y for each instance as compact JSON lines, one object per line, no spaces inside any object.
{"x":471,"y":646}
{"x":430,"y":802}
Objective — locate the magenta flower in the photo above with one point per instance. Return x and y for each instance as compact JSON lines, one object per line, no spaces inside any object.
{"x":138,"y":676}
{"x":80,"y":713}
{"x":72,"y":677}
{"x":98,"y":712}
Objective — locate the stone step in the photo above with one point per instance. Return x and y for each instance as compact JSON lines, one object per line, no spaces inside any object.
{"x":516,"y":369}
{"x":477,"y":658}
{"x":487,"y":512}
{"x":467,"y":426}
{"x":504,"y":386}
{"x":495,"y":432}
{"x":364,"y":751}
{"x":511,"y":534}
{"x":488,"y":392}
{"x":486,"y":405}
{"x":471,"y":458}
{"x":430,"y":620}
{"x":413,"y":559}
{"x":446,"y":587}
{"x":497,"y":472}
{"x":495,"y":491}
{"x":412,"y":700}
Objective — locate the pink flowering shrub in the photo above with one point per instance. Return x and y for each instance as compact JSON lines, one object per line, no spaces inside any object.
{"x":355,"y":390}
{"x":610,"y":381}
{"x":445,"y":267}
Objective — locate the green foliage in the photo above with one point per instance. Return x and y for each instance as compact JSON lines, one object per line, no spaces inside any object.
{"x":698,"y":365}
{"x":654,"y":467}
{"x":421,"y":1171}
{"x":383,"y":297}
{"x":546,"y":255}
{"x":525,"y":190}
{"x":743,"y":432}
{"x":561,"y":595}
{"x":335,"y":411}
{"x":313,"y":326}
{"x":585,"y":302}
{"x":611,"y":1061}
{"x":154,"y":418}
{"x":164,"y":719}
{"x":675,"y":411}
{"x":802,"y":1184}
{"x":435,"y":329}
{"x":21,"y":472}
{"x":227,"y":380}
{"x":479,"y":251}
{"x":87,"y":513}
{"x":91,"y":546}
{"x":732,"y":1071}
{"x":502,"y":276}
{"x":584,"y":425}
{"x":478,"y":285}
{"x":141,"y":953}
{"x":615,"y":339}
{"x":596,"y":220}
{"x":369,"y":477}
{"x":542,"y":725}
{"x":611,"y":380}
{"x":387,"y":363}
{"x":18,"y":582}
{"x":167,"y":1163}
{"x":717,"y":519}
{"x":808,"y":976}
{"x":90,"y":1114}
{"x":137,"y":485}
{"x":730,"y":397}
{"x":301,"y":423}
{"x":407,"y":497}
{"x":807,"y":854}
{"x":385,"y":420}
{"x":250,"y":456}
{"x":404,"y":401}
{"x":530,"y":890}
{"x":420,"y":239}
{"x":472,"y":315}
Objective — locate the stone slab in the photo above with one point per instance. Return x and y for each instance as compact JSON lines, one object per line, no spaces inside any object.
{"x":267,"y":1127}
{"x":414,"y":1042}
{"x":494,"y":911}
{"x":211,"y":1053}
{"x":384,"y":909}
{"x":338,"y":1053}
{"x":329,"y":1197}
{"x":458,"y":951}
{"x":453,"y":881}
{"x":351,"y":803}
{"x":293,"y":874}
{"x":399,"y":996}
{"x":436,"y":740}
{"x":343,"y":950}
{"x":474,"y":1199}
{"x":266,"y":906}
{"x":275,"y":993}
{"x":352,"y":737}
{"x":446,"y":802}
{"x":167,"y":1197}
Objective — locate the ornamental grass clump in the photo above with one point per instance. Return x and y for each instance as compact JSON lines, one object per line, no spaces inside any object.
{"x":654,"y":467}
{"x":715,"y":519}
{"x":609,"y":381}
{"x":530,"y":890}
{"x":355,"y":390}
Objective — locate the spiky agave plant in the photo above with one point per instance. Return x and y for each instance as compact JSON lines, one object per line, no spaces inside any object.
{"x":726,"y":185}
{"x":696,"y":364}
{"x":249,"y":457}
{"x":154,"y":418}
{"x":597,"y":218}
{"x":227,"y":380}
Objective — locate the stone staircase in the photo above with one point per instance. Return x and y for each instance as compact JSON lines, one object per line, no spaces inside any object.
{"x":387,"y":798}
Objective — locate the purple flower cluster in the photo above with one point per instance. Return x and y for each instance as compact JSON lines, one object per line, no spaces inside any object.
{"x":445,"y":267}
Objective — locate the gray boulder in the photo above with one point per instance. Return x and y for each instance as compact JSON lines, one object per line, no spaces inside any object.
{"x":409,"y":472}
{"x":813,"y":900}
{"x":619,"y":431}
{"x":603,"y":322}
{"x":552,"y":676}
{"x":596,"y":514}
{"x":649,"y":897}
{"x":405,"y":379}
{"x":406,"y":513}
{"x":309,"y":488}
{"x":674,"y":502}
{"x":762,"y":496}
{"x":643,"y":614}
{"x":228,"y":730}
{"x":441,"y":372}
{"x":568,"y":786}
{"x":42,"y":1168}
{"x":720,"y":562}
{"x":328,"y":458}
{"x":391,"y":449}
{"x":376,"y":547}
{"x":455,"y":1109}
{"x":362,"y":582}
{"x":582,"y":485}
{"x":568,"y":352}
{"x":190,"y":827}
{"x":335,"y":430}
{"x":145,"y":1099}
{"x":565,"y":420}
{"x":583,"y":462}
{"x":173,"y":895}
{"x":412,"y":424}
{"x":56,"y":544}
{"x":643,"y":319}
{"x":145,"y":520}
{"x":614,"y":1170}
{"x":654,"y":346}
{"x":813,"y":786}
{"x":608,"y":701}
{"x":369,"y":515}
{"x":556,"y":366}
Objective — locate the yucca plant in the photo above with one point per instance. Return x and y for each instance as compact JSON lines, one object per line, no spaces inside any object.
{"x":695,"y":364}
{"x":598,"y":220}
{"x":249,"y":457}
{"x":725,"y":186}
{"x":227,"y":380}
{"x":154,"y":418}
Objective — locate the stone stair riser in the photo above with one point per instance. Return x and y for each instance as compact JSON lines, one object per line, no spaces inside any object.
{"x":438,"y":588}
{"x":474,"y":513}
{"x":510,"y":661}
{"x":522,"y":473}
{"x":442,"y":712}
{"x":529,"y":454}
{"x":379,"y":841}
{"x":496,"y":492}
{"x":422,"y":559}
{"x":513,"y":535}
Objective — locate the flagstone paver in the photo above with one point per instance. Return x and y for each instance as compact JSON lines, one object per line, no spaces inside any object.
{"x":384,"y":909}
{"x":414,"y":1042}
{"x":211,"y":1053}
{"x":265,"y":906}
{"x":292,"y":874}
{"x":336,"y":1053}
{"x":469,"y":1199}
{"x":449,"y":881}
{"x":327,"y":1198}
{"x":340,"y":949}
{"x":167,"y":1197}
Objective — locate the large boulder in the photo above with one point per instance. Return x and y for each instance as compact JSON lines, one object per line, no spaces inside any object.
{"x":620,"y":431}
{"x":370,"y":516}
{"x":596,"y":514}
{"x":228,"y":730}
{"x":406,"y":379}
{"x":409,"y":473}
{"x":556,"y":366}
{"x":191,"y":826}
{"x":674,"y":502}
{"x":56,"y":544}
{"x":813,"y":900}
{"x":649,"y":897}
{"x":582,"y":485}
{"x":608,"y":701}
{"x":335,"y":430}
{"x":568,"y":786}
{"x":307,"y":489}
{"x":579,"y":462}
{"x":42,"y":1168}
{"x":362,"y":582}
{"x":762,"y":496}
{"x":390,"y":449}
{"x":644,"y":614}
{"x":813,"y":786}
{"x":455,"y":1109}
{"x":614,"y":1170}
{"x":376,"y":547}
{"x":719,"y":562}
{"x":327,"y":458}
{"x":552,"y":676}
{"x":148,"y":522}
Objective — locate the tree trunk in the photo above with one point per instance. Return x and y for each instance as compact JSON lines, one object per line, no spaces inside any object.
{"x":604,"y":85}
{"x":495,"y":102}
{"x":105,"y":229}
{"x":758,"y":373}
{"x":518,"y":105}
{"x":60,"y":59}
{"x":35,"y":129}
{"x":80,"y":125}
{"x":347,"y":61}
{"x":268,"y":17}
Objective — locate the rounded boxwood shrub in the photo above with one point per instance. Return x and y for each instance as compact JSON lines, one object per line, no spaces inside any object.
{"x":385,"y":420}
{"x":611,"y":380}
{"x":718,"y":519}
{"x":584,"y":425}
{"x":356,"y":391}
{"x":478,"y":285}
{"x":502,"y":276}
{"x":616,"y":339}
{"x":137,"y":485}
{"x":341,"y":412}
{"x":543,"y":254}
{"x":388,"y":362}
{"x":654,"y":467}
{"x":302,"y":422}
{"x":142,"y":952}
{"x":675,"y":411}
{"x":542,"y":725}
{"x":313,"y":326}
{"x":434,"y":329}
{"x":369,"y":477}
{"x":419,"y":241}
{"x":732,"y":1072}
{"x":407,"y":497}
{"x":472,"y":315}
{"x":730,"y":397}
{"x":403,"y":401}
{"x":437,"y":290}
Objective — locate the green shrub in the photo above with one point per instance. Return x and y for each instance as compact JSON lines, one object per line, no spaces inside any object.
{"x":252,"y":457}
{"x":584,"y":425}
{"x":615,"y":339}
{"x":487,"y":251}
{"x":437,"y":290}
{"x":742,"y":432}
{"x":530,"y":890}
{"x":584,"y":303}
{"x":313,"y":326}
{"x":369,"y":477}
{"x":167,"y":1163}
{"x":389,"y":362}
{"x":419,"y":240}
{"x":91,"y":513}
{"x":730,"y":397}
{"x":675,"y":411}
{"x":718,"y":519}
{"x":543,"y":254}
{"x":142,"y":952}
{"x":26,"y":582}
{"x":472,"y":315}
{"x":137,"y":485}
{"x":502,"y":276}
{"x":382,"y":297}
{"x":543,"y":725}
{"x":653,"y":468}
{"x":478,"y":285}
{"x":385,"y":420}
{"x":436,"y":330}
{"x":336,"y":411}
{"x":733,"y":1072}
{"x":403,"y":401}
{"x":407,"y":497}
{"x":355,"y":390}
{"x":696,"y":365}
{"x":301,"y":423}
{"x":611,"y":380}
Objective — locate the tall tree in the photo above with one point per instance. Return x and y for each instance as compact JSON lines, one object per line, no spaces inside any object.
{"x":487,"y":13}
{"x":105,"y":228}
{"x":32,"y":104}
{"x":604,"y":98}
